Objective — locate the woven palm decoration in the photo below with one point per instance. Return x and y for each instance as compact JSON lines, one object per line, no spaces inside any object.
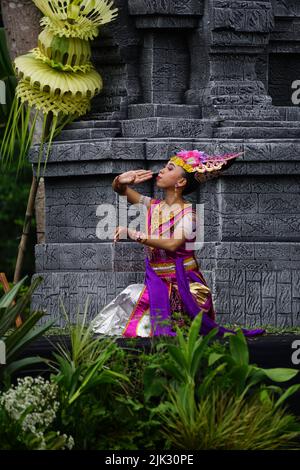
{"x":57,"y":78}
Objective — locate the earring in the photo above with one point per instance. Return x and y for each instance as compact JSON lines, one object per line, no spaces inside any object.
{"x":175,"y":189}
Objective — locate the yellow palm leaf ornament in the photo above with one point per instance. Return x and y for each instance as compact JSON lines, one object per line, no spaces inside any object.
{"x":57,"y":78}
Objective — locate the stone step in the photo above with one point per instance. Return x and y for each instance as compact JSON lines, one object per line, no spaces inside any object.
{"x":105,"y":116}
{"x":243,"y":99}
{"x":257,"y":132}
{"x":147,"y":110}
{"x":259,"y":124}
{"x":168,"y":127}
{"x":289,"y":113}
{"x":88,"y":133}
{"x":245,"y":113}
{"x":93,"y":124}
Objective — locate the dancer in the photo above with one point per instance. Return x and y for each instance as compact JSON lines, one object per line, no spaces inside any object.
{"x":173,"y":281}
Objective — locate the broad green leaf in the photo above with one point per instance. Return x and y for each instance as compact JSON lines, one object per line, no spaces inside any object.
{"x":208,"y":380}
{"x":290,"y":391}
{"x":21,"y":363}
{"x":174,"y":371}
{"x":239,"y":375}
{"x":239,"y":348}
{"x":9,"y":297}
{"x":177,"y":356}
{"x":214,"y":357}
{"x":200,"y":349}
{"x":280,"y":375}
{"x":25,"y":334}
{"x":194,"y":332}
{"x":265,"y":397}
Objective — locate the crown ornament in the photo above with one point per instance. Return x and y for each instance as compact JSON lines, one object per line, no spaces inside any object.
{"x":200,"y":163}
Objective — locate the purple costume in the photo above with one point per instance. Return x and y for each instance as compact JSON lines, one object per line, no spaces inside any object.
{"x":173,"y":283}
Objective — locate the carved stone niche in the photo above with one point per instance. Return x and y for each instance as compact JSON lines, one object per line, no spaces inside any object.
{"x":283,"y":52}
{"x":232,"y":35}
{"x":166,"y":26}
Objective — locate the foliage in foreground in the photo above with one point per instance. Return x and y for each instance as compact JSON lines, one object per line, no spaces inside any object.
{"x":187,"y":392}
{"x":16,"y":339}
{"x":227,"y":404}
{"x":27,"y":411}
{"x":14,"y":188}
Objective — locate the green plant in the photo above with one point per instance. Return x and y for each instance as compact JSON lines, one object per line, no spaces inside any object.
{"x":180,"y":394}
{"x":83,"y":367}
{"x":243,"y":375}
{"x":27,"y":413}
{"x":222,"y":421}
{"x":16,"y":339}
{"x":214,"y":398}
{"x":7,"y":76}
{"x":122,"y":418}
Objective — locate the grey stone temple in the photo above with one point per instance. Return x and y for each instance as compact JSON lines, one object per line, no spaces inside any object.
{"x":213,"y":75}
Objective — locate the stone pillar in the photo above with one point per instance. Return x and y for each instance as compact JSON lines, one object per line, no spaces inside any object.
{"x":225,"y":49}
{"x":284,"y":57}
{"x":165,"y":70}
{"x":116,"y":57}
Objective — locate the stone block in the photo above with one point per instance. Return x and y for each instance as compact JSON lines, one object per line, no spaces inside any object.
{"x":244,"y":19}
{"x":268,"y":284}
{"x":139,"y":111}
{"x":284,"y":321}
{"x":237,"y":309}
{"x":237,"y":282}
{"x":162,"y":127}
{"x":165,"y":7}
{"x":283,"y":298}
{"x":296,"y":284}
{"x":257,"y":225}
{"x":222,"y":303}
{"x":269,"y":311}
{"x":253,"y":298}
{"x":253,"y":321}
{"x":240,"y":204}
{"x":166,"y":22}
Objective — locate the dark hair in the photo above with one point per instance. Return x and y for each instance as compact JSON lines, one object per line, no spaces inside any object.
{"x":192,"y":184}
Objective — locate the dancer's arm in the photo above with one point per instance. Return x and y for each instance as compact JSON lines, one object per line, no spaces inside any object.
{"x":169,"y":244}
{"x":184,"y":231}
{"x":121,"y":182}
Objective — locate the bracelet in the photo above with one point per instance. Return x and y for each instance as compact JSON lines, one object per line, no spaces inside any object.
{"x":116,"y":186}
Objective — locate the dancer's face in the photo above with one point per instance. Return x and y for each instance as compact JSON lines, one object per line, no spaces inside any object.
{"x":171,"y":175}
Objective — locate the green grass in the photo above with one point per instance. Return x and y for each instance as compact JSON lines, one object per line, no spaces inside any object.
{"x":57,"y":331}
{"x":271,"y":330}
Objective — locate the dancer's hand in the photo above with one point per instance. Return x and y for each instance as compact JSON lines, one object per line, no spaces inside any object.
{"x":120,"y":233}
{"x":124,"y":232}
{"x":135,"y":176}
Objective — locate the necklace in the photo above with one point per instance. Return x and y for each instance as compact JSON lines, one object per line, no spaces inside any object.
{"x":159,"y":217}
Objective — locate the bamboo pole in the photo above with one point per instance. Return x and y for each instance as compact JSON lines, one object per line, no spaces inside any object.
{"x":26,"y":228}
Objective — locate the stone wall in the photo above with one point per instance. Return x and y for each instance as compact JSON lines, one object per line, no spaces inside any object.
{"x":185,"y":74}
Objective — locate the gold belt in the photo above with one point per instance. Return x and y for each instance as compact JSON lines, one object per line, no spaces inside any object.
{"x":170,"y":267}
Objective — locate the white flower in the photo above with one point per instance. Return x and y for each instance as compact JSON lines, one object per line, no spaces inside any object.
{"x":36,"y":400}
